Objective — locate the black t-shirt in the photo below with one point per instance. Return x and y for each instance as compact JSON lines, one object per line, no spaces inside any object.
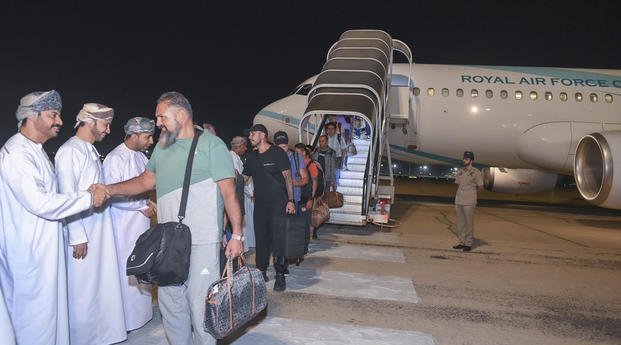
{"x":266,"y":170}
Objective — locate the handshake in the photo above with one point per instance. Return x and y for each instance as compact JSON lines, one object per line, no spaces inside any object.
{"x":100,"y":194}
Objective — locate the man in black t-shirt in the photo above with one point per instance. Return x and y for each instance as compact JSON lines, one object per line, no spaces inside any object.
{"x":269,"y":168}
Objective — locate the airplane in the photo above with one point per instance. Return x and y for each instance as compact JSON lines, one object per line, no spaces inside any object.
{"x":526,"y":125}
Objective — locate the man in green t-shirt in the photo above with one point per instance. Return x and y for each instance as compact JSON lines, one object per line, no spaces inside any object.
{"x":212,"y":187}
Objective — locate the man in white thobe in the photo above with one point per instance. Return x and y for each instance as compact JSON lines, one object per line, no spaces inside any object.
{"x":131,"y":216}
{"x":239,"y":146}
{"x":6,"y":327}
{"x":95,"y":303}
{"x":32,"y":254}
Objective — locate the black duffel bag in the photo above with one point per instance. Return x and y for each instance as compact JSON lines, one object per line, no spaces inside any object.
{"x":162,"y":253}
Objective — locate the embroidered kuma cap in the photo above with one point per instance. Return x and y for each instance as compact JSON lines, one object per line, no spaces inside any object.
{"x":139,"y":124}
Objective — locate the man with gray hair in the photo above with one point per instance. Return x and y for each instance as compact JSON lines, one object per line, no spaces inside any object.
{"x":95,"y":302}
{"x":131,"y":216}
{"x":32,"y":254}
{"x":212,"y":187}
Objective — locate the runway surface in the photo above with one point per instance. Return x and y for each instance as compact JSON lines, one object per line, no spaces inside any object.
{"x":540,"y":273}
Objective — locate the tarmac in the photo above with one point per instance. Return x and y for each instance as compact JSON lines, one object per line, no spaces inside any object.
{"x":545,"y":269}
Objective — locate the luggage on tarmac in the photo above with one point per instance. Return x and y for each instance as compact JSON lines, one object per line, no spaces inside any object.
{"x":289,"y":236}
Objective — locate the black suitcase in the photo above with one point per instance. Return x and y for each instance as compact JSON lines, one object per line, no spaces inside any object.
{"x":289,"y":236}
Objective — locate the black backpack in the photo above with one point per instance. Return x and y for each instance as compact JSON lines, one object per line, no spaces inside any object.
{"x":162,"y":253}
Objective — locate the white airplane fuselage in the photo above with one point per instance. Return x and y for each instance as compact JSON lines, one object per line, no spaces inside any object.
{"x":479,"y":108}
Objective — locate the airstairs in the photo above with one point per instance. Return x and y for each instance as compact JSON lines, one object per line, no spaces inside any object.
{"x":355,"y":82}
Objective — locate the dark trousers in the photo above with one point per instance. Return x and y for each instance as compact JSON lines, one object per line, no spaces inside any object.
{"x":263,"y":231}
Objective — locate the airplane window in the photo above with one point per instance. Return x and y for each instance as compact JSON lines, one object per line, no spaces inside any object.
{"x":562,"y":96}
{"x":431,"y":91}
{"x":445,"y":92}
{"x":593,"y":97}
{"x":578,"y":97}
{"x":459,"y":92}
{"x":518,"y":95}
{"x":608,"y":98}
{"x":533,"y":95}
{"x":474,"y":93}
{"x":504,"y":94}
{"x":416,"y":91}
{"x":489,"y":93}
{"x":548,"y":96}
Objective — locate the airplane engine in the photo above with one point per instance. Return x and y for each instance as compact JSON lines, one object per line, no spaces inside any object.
{"x":518,"y":181}
{"x":598,"y":181}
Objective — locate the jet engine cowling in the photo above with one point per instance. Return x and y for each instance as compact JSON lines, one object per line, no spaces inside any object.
{"x":597,"y":176}
{"x":518,"y":181}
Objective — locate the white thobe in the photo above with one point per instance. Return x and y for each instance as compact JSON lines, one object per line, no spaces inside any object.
{"x":6,"y":327}
{"x":95,"y":303}
{"x":248,"y":229}
{"x":32,"y":253}
{"x":129,"y":223}
{"x":248,"y":223}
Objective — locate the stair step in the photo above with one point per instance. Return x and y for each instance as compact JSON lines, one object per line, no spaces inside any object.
{"x":356,"y":167}
{"x":352,"y":199}
{"x":348,"y":208}
{"x":352,"y":175}
{"x":346,"y":219}
{"x":351,"y":182}
{"x":353,"y":191}
{"x":357,"y":160}
{"x":362,"y":142}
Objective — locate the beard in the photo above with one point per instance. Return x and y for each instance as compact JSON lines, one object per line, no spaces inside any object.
{"x":167,"y":137}
{"x":97,"y":133}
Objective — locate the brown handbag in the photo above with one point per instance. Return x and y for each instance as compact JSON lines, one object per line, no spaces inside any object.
{"x":321,"y":213}
{"x":334,"y":199}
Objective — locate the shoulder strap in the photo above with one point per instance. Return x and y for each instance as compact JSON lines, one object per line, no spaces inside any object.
{"x":186,"y":178}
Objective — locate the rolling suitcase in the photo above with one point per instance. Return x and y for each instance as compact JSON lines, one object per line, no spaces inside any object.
{"x":289,"y":236}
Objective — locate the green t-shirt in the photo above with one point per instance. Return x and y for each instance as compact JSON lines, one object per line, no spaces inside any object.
{"x":212,"y":163}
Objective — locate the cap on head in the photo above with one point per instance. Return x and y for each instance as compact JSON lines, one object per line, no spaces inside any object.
{"x":258,"y":128}
{"x":469,"y":154}
{"x":139,"y":125}
{"x":281,"y":137}
{"x":238,"y":142}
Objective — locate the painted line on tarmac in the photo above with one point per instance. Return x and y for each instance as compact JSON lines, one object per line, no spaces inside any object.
{"x":349,"y":284}
{"x":281,"y":331}
{"x":354,"y":251}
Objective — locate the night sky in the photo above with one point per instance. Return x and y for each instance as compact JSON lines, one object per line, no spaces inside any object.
{"x":231,"y":60}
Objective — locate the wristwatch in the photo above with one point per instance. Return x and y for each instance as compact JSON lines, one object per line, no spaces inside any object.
{"x":237,"y":237}
{"x":291,"y":200}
